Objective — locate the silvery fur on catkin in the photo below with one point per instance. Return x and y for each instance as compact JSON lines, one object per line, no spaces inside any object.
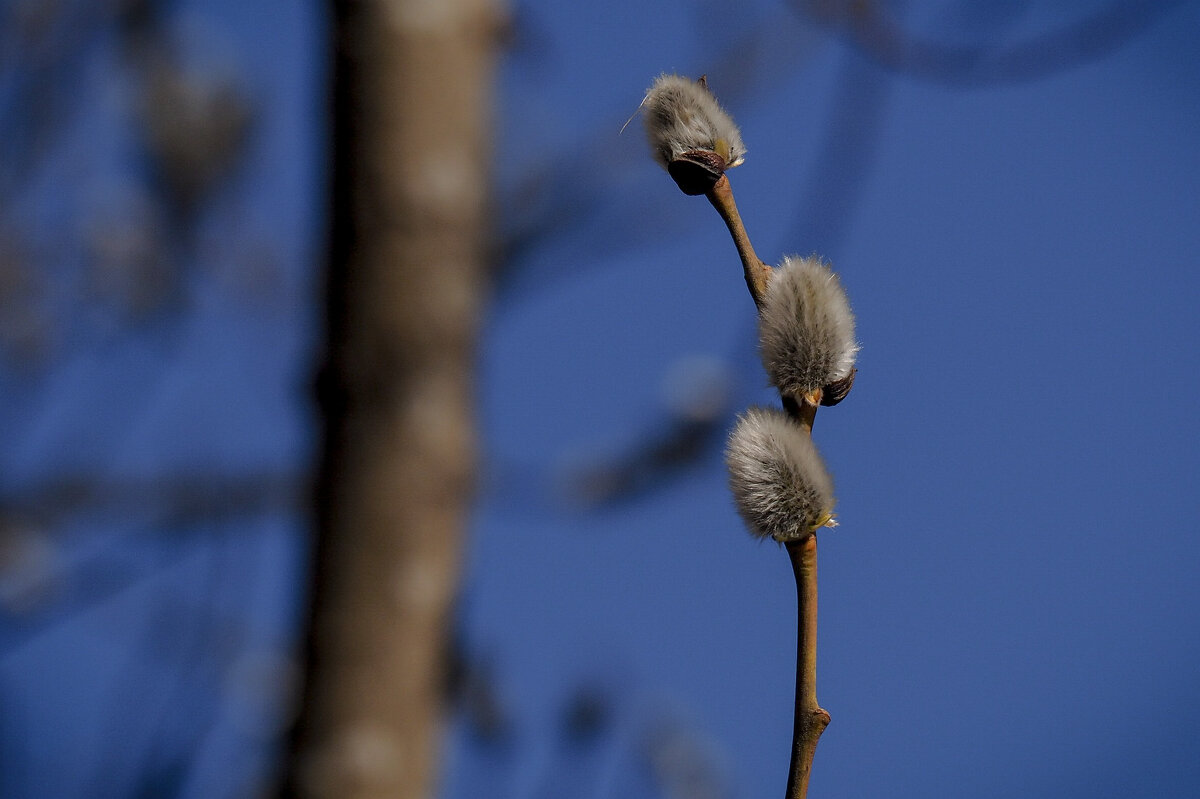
{"x":806,"y":328}
{"x":779,"y":482}
{"x":681,"y":115}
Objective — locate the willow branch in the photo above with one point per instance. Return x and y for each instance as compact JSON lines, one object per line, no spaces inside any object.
{"x":810,"y":719}
{"x":803,"y":409}
{"x":757,"y":272}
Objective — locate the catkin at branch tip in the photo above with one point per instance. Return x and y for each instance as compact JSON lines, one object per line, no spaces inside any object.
{"x":682,"y":115}
{"x":806,"y":328}
{"x":779,"y":482}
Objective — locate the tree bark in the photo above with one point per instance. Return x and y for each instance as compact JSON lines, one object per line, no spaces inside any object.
{"x":411,"y":97}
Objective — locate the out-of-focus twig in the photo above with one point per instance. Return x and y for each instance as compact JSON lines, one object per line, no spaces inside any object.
{"x":876,"y":32}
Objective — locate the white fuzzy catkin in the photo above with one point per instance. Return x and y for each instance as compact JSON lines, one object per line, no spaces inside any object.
{"x":681,"y":115}
{"x":805,"y":327}
{"x":778,"y":479}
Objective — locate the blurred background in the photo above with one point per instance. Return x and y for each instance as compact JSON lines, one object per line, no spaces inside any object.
{"x":1011,"y":193}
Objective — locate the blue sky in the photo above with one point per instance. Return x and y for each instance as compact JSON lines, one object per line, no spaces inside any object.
{"x":1010,"y":603}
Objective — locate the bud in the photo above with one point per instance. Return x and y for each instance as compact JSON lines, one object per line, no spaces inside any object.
{"x":806,"y":330}
{"x":690,"y":134}
{"x":779,"y":482}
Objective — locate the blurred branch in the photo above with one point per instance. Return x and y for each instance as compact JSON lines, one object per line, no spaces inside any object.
{"x":189,"y":117}
{"x":196,"y":125}
{"x":844,"y":159}
{"x":24,"y":330}
{"x":44,"y":44}
{"x":194,"y":642}
{"x":875,"y":31}
{"x":42,"y":587}
{"x":171,"y":498}
{"x":683,"y":763}
{"x":412,"y":120}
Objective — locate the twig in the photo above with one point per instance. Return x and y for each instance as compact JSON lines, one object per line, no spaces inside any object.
{"x":757,"y":272}
{"x":811,"y":719}
{"x":779,"y":481}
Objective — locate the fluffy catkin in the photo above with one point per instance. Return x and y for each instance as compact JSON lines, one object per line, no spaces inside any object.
{"x":682,"y":115}
{"x":806,"y":329}
{"x":779,"y":482}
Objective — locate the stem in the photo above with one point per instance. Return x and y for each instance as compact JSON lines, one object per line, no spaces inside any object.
{"x":811,"y":720}
{"x":803,"y":409}
{"x":757,"y":273}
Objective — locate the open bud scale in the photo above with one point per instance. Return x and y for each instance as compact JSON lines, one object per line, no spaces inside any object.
{"x":682,"y":118}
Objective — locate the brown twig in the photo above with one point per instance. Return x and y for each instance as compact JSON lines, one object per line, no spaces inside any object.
{"x":757,"y":272}
{"x":803,"y":409}
{"x":811,"y":719}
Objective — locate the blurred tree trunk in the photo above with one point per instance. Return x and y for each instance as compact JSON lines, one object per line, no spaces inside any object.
{"x":411,"y":102}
